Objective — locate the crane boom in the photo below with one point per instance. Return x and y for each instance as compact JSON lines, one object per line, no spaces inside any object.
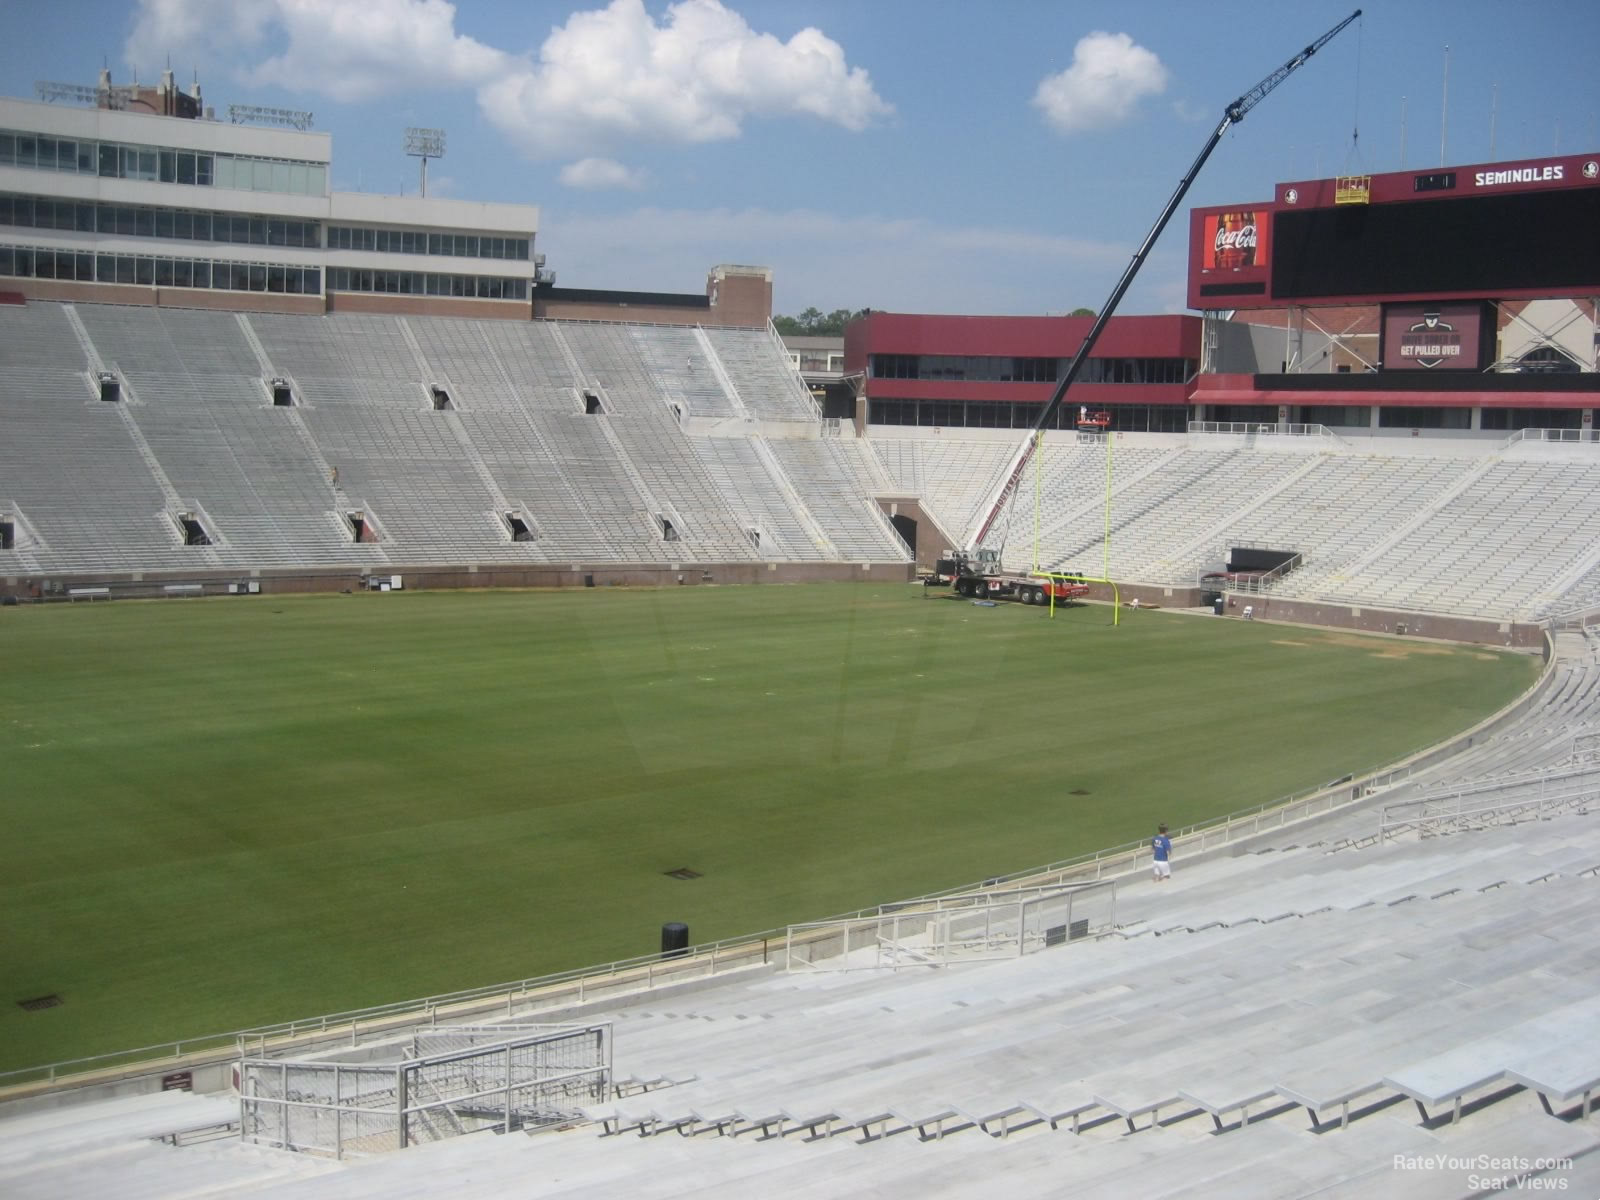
{"x":1234,"y":113}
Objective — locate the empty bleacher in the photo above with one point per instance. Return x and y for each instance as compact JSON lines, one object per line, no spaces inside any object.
{"x":1449,"y":529}
{"x":766,"y":385}
{"x":577,"y":430}
{"x":69,"y":463}
{"x":834,"y":480}
{"x":602,"y":437}
{"x":1516,"y":528}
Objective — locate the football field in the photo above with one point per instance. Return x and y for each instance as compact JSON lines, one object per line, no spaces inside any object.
{"x":226,"y":812}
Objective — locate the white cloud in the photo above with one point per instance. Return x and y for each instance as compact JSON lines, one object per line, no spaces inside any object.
{"x":614,"y":75}
{"x":598,"y":174}
{"x":177,"y":27}
{"x":339,"y":48}
{"x":1108,"y":75}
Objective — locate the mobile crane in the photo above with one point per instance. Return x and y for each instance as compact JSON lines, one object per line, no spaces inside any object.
{"x":1232,"y":115}
{"x":978,"y":574}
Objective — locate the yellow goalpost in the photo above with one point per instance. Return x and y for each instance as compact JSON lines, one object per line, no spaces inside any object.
{"x":1105,"y":546}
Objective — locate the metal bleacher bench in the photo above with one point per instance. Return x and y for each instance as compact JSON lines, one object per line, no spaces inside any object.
{"x":1554,"y":1054}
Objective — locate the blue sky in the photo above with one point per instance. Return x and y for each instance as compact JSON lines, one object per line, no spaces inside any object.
{"x":986,"y":156}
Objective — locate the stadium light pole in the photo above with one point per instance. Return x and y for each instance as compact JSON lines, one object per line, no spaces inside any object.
{"x":425,"y":144}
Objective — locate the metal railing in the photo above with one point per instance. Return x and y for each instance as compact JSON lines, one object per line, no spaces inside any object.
{"x":1431,"y":818}
{"x":1252,"y":582}
{"x":970,"y":927}
{"x":1555,"y":435}
{"x":1275,"y":428}
{"x":799,"y":384}
{"x":1580,"y":618}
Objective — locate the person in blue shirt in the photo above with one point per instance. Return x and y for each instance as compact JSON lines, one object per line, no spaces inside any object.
{"x":1161,"y":852}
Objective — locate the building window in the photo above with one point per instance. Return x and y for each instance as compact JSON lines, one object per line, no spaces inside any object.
{"x":1136,"y":370}
{"x":1000,"y":369}
{"x":115,"y":160}
{"x":1530,"y":418}
{"x":895,"y":366}
{"x":1335,"y":416}
{"x":416,"y":283}
{"x":1403,"y":417}
{"x":177,"y":224}
{"x":407,"y":241}
{"x":148,"y":270}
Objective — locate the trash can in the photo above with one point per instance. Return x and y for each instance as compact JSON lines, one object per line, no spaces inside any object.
{"x":674,"y":939}
{"x":1216,"y":605}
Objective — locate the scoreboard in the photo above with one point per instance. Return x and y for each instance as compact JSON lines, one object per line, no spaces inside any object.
{"x":1487,"y":232}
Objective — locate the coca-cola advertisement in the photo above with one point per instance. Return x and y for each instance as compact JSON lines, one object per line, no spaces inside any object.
{"x":1433,"y":337}
{"x":1234,"y":240}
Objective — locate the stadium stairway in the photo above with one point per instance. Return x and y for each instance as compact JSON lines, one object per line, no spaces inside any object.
{"x":1370,"y":951}
{"x":1187,"y":1047}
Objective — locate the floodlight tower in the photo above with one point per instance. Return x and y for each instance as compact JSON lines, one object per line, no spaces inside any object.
{"x":425,"y":144}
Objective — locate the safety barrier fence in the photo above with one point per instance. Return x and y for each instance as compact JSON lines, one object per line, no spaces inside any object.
{"x":432,"y":1085}
{"x":973,"y":927}
{"x":1526,"y":797}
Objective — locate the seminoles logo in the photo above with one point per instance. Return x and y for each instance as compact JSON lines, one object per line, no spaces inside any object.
{"x":1430,"y":341}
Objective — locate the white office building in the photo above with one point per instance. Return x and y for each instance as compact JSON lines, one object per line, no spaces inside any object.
{"x":140,"y":196}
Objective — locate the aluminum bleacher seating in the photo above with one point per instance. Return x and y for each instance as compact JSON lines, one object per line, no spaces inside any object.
{"x":97,"y":487}
{"x":767,"y":385}
{"x":1435,"y":528}
{"x":833,"y":479}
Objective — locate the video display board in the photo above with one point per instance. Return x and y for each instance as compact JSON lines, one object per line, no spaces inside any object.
{"x":1441,"y":336}
{"x":1495,"y":231}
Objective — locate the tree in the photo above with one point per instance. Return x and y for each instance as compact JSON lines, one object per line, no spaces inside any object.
{"x":1082,"y":312}
{"x":812,"y":323}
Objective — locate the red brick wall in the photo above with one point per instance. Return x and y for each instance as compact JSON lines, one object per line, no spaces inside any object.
{"x":742,"y":300}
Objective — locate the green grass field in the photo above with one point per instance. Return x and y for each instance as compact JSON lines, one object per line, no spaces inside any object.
{"x":221,"y":813}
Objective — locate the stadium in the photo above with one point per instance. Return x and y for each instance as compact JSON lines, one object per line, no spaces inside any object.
{"x":1334,"y":544}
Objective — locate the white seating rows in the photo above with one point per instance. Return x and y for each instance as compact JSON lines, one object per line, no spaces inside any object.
{"x":463,"y":357}
{"x":1186,"y":1051}
{"x":96,"y":485}
{"x":740,"y":473}
{"x":1521,"y":525}
{"x":954,"y":477}
{"x":766,"y":384}
{"x":38,"y":336}
{"x":69,"y":464}
{"x":678,"y":482}
{"x":1447,"y":532}
{"x":833,"y":479}
{"x":678,"y":363}
{"x":1159,"y":513}
{"x":346,"y":348}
